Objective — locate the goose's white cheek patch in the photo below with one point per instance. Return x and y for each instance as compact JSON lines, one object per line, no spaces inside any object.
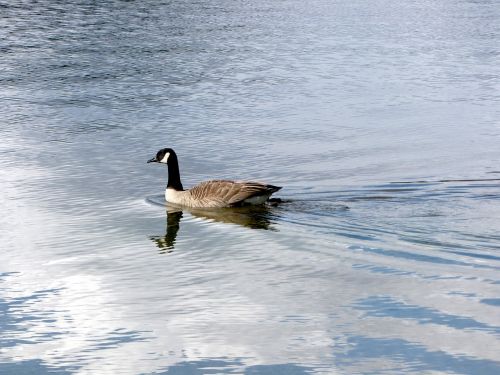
{"x":165,"y":158}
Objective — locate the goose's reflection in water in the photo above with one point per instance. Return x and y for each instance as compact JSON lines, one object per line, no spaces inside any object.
{"x":253,"y":217}
{"x":166,"y":243}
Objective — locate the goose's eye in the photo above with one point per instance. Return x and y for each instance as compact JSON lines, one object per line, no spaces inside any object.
{"x":162,"y":156}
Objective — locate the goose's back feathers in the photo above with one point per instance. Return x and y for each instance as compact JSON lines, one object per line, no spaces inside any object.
{"x":222,"y":193}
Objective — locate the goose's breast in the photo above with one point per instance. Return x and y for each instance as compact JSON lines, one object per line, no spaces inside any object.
{"x":185,"y":198}
{"x":174,"y":196}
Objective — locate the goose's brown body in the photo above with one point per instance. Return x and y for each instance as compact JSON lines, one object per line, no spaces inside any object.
{"x":211,"y":194}
{"x":221,"y":193}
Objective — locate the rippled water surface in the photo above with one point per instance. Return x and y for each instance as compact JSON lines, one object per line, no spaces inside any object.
{"x":380,"y":120}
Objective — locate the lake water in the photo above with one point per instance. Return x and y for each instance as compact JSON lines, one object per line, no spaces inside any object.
{"x":380,"y":119}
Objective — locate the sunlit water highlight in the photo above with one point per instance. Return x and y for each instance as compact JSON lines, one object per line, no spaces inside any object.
{"x":379,"y":119}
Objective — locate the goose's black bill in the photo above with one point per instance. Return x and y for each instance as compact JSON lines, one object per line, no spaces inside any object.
{"x":153,"y":160}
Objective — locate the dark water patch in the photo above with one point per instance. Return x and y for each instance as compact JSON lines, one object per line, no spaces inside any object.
{"x":446,"y":188}
{"x":429,"y":242}
{"x":413,"y":357}
{"x":399,"y":191}
{"x":320,"y":227}
{"x":476,"y":255}
{"x":434,"y":182}
{"x":396,"y":187}
{"x":483,"y":237}
{"x":370,"y":198}
{"x":206,"y":366}
{"x":386,"y":270}
{"x":463,"y":294}
{"x":318,"y":206}
{"x":386,"y":306}
{"x":419,"y":257}
{"x":17,"y":312}
{"x":228,"y":366}
{"x":35,"y":367}
{"x":355,"y":236}
{"x":486,"y":196}
{"x":34,"y":297}
{"x":280,"y":369}
{"x":116,"y":338}
{"x":4,"y":275}
{"x":491,"y":301}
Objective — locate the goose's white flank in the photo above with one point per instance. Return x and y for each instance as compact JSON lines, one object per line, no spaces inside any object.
{"x":210,"y":194}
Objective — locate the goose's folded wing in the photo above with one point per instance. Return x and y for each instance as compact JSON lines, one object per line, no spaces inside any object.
{"x":245,"y":190}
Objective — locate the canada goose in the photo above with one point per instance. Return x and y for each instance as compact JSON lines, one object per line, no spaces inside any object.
{"x":208,"y":194}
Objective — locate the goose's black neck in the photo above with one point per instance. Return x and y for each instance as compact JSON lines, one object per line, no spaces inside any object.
{"x":174,"y":176}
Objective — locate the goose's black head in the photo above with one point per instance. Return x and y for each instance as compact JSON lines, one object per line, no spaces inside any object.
{"x":163,"y":156}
